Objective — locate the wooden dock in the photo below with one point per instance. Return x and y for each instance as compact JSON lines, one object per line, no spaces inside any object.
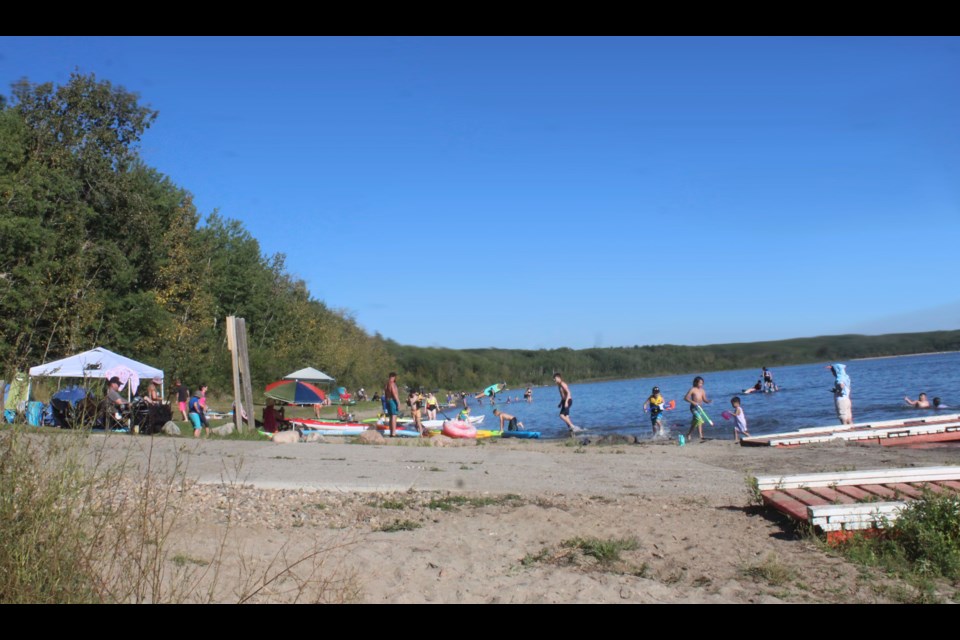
{"x":919,"y":430}
{"x":840,"y":502}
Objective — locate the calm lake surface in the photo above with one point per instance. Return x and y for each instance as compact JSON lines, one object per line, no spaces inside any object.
{"x":804,"y":400}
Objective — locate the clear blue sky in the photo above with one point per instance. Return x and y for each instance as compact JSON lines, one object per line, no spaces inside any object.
{"x":547,"y":192}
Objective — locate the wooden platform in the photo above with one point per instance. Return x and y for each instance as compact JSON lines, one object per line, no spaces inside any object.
{"x":887,"y":433}
{"x":852,"y":500}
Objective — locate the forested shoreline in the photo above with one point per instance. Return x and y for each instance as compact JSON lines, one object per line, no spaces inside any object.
{"x":99,"y":249}
{"x":476,"y":368}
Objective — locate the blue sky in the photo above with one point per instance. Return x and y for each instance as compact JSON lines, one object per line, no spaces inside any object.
{"x":548,"y":192}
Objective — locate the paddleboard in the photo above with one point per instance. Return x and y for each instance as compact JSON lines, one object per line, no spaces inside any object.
{"x":520,"y":434}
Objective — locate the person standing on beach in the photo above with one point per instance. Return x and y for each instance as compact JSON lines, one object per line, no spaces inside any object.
{"x":391,"y":397}
{"x":566,"y":400}
{"x":183,"y":395}
{"x":432,"y":406}
{"x":739,"y":420}
{"x":696,"y":396}
{"x":197,"y":407}
{"x":415,"y":402}
{"x":841,"y":393}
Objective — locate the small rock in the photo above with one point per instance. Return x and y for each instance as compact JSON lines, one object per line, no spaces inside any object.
{"x":441,"y":440}
{"x":223,"y":430}
{"x":314,"y":437}
{"x":286,"y":437}
{"x":371,"y":437}
{"x":171,"y":429}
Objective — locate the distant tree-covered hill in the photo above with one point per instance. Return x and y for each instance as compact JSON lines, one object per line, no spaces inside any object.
{"x":476,"y":368}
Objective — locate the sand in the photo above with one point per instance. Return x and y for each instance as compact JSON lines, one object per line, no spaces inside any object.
{"x":511,"y":521}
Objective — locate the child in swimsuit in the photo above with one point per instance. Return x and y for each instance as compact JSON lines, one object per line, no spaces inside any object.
{"x":739,"y":420}
{"x":655,"y":404}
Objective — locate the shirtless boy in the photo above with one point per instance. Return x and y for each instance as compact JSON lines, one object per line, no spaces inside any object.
{"x":512,"y":423}
{"x":391,"y":398}
{"x":919,"y":403}
{"x":697,"y":397}
{"x":566,"y":399}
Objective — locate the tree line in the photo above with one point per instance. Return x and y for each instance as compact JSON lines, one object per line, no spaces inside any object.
{"x":100,"y":249}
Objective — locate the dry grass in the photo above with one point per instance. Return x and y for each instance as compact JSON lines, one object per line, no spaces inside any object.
{"x":76,"y":529}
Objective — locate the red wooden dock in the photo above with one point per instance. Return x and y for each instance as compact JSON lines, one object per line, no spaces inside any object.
{"x":843,"y":501}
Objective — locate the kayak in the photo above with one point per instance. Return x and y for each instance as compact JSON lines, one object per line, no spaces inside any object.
{"x":377,"y":420}
{"x":328,"y":425}
{"x":404,"y":433}
{"x":521,"y":434}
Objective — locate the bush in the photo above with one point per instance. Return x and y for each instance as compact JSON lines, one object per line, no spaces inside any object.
{"x":928,"y":534}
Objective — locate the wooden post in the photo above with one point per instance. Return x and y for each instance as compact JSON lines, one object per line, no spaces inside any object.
{"x":234,"y":362}
{"x":244,"y":362}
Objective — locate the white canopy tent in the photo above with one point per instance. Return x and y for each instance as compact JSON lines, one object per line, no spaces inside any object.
{"x":93,"y":364}
{"x":309,"y":374}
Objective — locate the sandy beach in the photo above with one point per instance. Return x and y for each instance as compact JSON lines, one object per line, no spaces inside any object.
{"x":510,"y":521}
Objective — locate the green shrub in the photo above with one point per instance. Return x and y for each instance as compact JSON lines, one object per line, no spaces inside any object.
{"x":927,"y":533}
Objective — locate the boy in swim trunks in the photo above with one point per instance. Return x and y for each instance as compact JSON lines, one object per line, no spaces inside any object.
{"x":655,"y":404}
{"x":391,"y":397}
{"x":513,"y":423}
{"x":696,"y":396}
{"x":566,"y":400}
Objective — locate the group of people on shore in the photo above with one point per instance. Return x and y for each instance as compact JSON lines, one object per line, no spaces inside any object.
{"x":193,"y":407}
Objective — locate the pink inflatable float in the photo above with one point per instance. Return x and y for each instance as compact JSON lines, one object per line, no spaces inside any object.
{"x":458,"y":429}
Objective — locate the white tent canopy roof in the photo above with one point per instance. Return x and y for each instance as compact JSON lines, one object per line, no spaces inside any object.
{"x":93,"y":364}
{"x":309,"y":375}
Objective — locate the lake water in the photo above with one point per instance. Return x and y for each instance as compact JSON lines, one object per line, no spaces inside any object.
{"x":804,"y":400}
